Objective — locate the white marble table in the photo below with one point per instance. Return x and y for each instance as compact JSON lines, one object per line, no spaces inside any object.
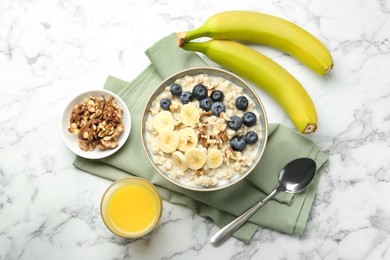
{"x":51,"y":50}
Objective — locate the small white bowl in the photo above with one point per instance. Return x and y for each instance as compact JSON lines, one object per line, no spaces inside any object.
{"x":72,"y":140}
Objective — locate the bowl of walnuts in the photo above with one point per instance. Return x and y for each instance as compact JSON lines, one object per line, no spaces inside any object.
{"x":95,"y":124}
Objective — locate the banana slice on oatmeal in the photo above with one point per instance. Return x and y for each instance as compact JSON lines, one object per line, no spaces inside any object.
{"x":214,"y":158}
{"x":196,"y":158}
{"x":163,"y":121}
{"x":189,"y":115}
{"x":180,"y":160}
{"x":168,"y":141}
{"x":188,"y":139}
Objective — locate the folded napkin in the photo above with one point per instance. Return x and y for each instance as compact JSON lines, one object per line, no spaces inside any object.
{"x":285,"y":213}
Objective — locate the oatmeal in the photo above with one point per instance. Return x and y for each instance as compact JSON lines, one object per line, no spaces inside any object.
{"x":203,"y":131}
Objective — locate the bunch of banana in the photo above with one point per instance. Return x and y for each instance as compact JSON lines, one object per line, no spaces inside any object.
{"x":264,"y":72}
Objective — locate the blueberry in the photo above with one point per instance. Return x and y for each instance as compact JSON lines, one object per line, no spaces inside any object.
{"x":217,"y":95}
{"x":165,"y":103}
{"x":176,"y":89}
{"x":251,"y":137}
{"x":234,"y":123}
{"x":242,"y":103}
{"x":205,"y":104}
{"x":186,"y":97}
{"x":249,"y":119}
{"x":238,"y":143}
{"x":199,"y":92}
{"x":217,"y":108}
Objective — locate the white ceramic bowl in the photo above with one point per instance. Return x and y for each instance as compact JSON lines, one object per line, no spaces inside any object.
{"x":71,"y":140}
{"x":214,"y":72}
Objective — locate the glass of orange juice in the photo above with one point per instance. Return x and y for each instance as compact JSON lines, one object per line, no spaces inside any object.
{"x":131,"y":207}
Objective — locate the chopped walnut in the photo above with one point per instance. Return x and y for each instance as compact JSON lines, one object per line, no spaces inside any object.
{"x":199,"y":172}
{"x":212,"y":140}
{"x":223,"y":137}
{"x":202,"y":129}
{"x":203,"y":141}
{"x":206,"y":114}
{"x":97,"y":122}
{"x":229,"y":154}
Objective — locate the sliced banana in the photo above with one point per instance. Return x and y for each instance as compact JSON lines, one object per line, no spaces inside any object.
{"x":196,"y":158}
{"x":163,"y":121}
{"x":189,"y":115}
{"x":168,"y":141}
{"x":180,"y":160}
{"x":188,"y":139}
{"x":214,"y":158}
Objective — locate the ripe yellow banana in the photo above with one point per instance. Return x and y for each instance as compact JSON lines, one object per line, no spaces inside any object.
{"x":268,"y":30}
{"x":267,"y":74}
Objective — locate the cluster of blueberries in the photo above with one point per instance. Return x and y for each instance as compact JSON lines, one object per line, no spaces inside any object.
{"x":215,"y":104}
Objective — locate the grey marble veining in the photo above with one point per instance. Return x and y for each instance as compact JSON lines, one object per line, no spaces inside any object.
{"x":51,"y":50}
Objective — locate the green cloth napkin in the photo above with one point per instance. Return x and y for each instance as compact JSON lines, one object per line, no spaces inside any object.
{"x":285,"y":213}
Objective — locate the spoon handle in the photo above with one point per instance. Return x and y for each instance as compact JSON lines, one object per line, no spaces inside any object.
{"x":230,"y":228}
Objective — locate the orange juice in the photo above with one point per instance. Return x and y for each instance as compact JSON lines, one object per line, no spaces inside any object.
{"x":131,"y":207}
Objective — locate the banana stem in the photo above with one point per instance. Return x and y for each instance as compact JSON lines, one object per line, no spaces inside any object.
{"x":180,"y":38}
{"x":183,"y":37}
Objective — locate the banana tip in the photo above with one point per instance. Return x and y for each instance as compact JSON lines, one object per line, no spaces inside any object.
{"x":310,"y":128}
{"x":328,"y":69}
{"x":180,"y":39}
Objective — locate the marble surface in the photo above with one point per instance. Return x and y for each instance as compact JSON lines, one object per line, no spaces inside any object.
{"x":51,"y":50}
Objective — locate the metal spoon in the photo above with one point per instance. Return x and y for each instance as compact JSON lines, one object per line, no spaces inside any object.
{"x":294,"y":177}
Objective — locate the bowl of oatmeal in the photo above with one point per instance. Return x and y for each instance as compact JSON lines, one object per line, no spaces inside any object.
{"x":204,"y":129}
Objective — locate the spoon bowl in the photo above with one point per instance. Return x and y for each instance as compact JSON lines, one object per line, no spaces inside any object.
{"x":296,"y":176}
